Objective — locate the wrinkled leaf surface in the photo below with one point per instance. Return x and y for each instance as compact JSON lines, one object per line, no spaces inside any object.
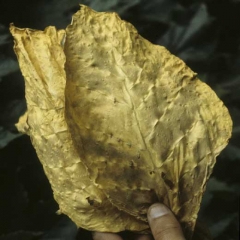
{"x":117,"y":122}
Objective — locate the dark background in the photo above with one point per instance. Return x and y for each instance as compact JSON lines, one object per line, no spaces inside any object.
{"x":205,"y":34}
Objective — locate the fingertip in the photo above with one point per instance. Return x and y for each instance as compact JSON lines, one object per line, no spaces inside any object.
{"x":163,"y":224}
{"x":157,"y":210}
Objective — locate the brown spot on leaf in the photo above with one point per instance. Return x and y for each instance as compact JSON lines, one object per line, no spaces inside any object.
{"x":167,"y":181}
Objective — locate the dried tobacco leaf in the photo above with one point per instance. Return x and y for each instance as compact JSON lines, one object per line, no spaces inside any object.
{"x":41,"y":60}
{"x":137,"y":127}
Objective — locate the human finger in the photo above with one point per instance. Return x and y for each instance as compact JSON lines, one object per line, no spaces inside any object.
{"x":105,"y":236}
{"x":163,"y":224}
{"x":144,"y":237}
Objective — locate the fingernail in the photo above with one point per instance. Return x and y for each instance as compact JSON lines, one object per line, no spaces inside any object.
{"x":158,"y":210}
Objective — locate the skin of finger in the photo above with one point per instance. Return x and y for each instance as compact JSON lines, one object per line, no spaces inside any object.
{"x":165,"y":226}
{"x":105,"y":236}
{"x":143,"y":237}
